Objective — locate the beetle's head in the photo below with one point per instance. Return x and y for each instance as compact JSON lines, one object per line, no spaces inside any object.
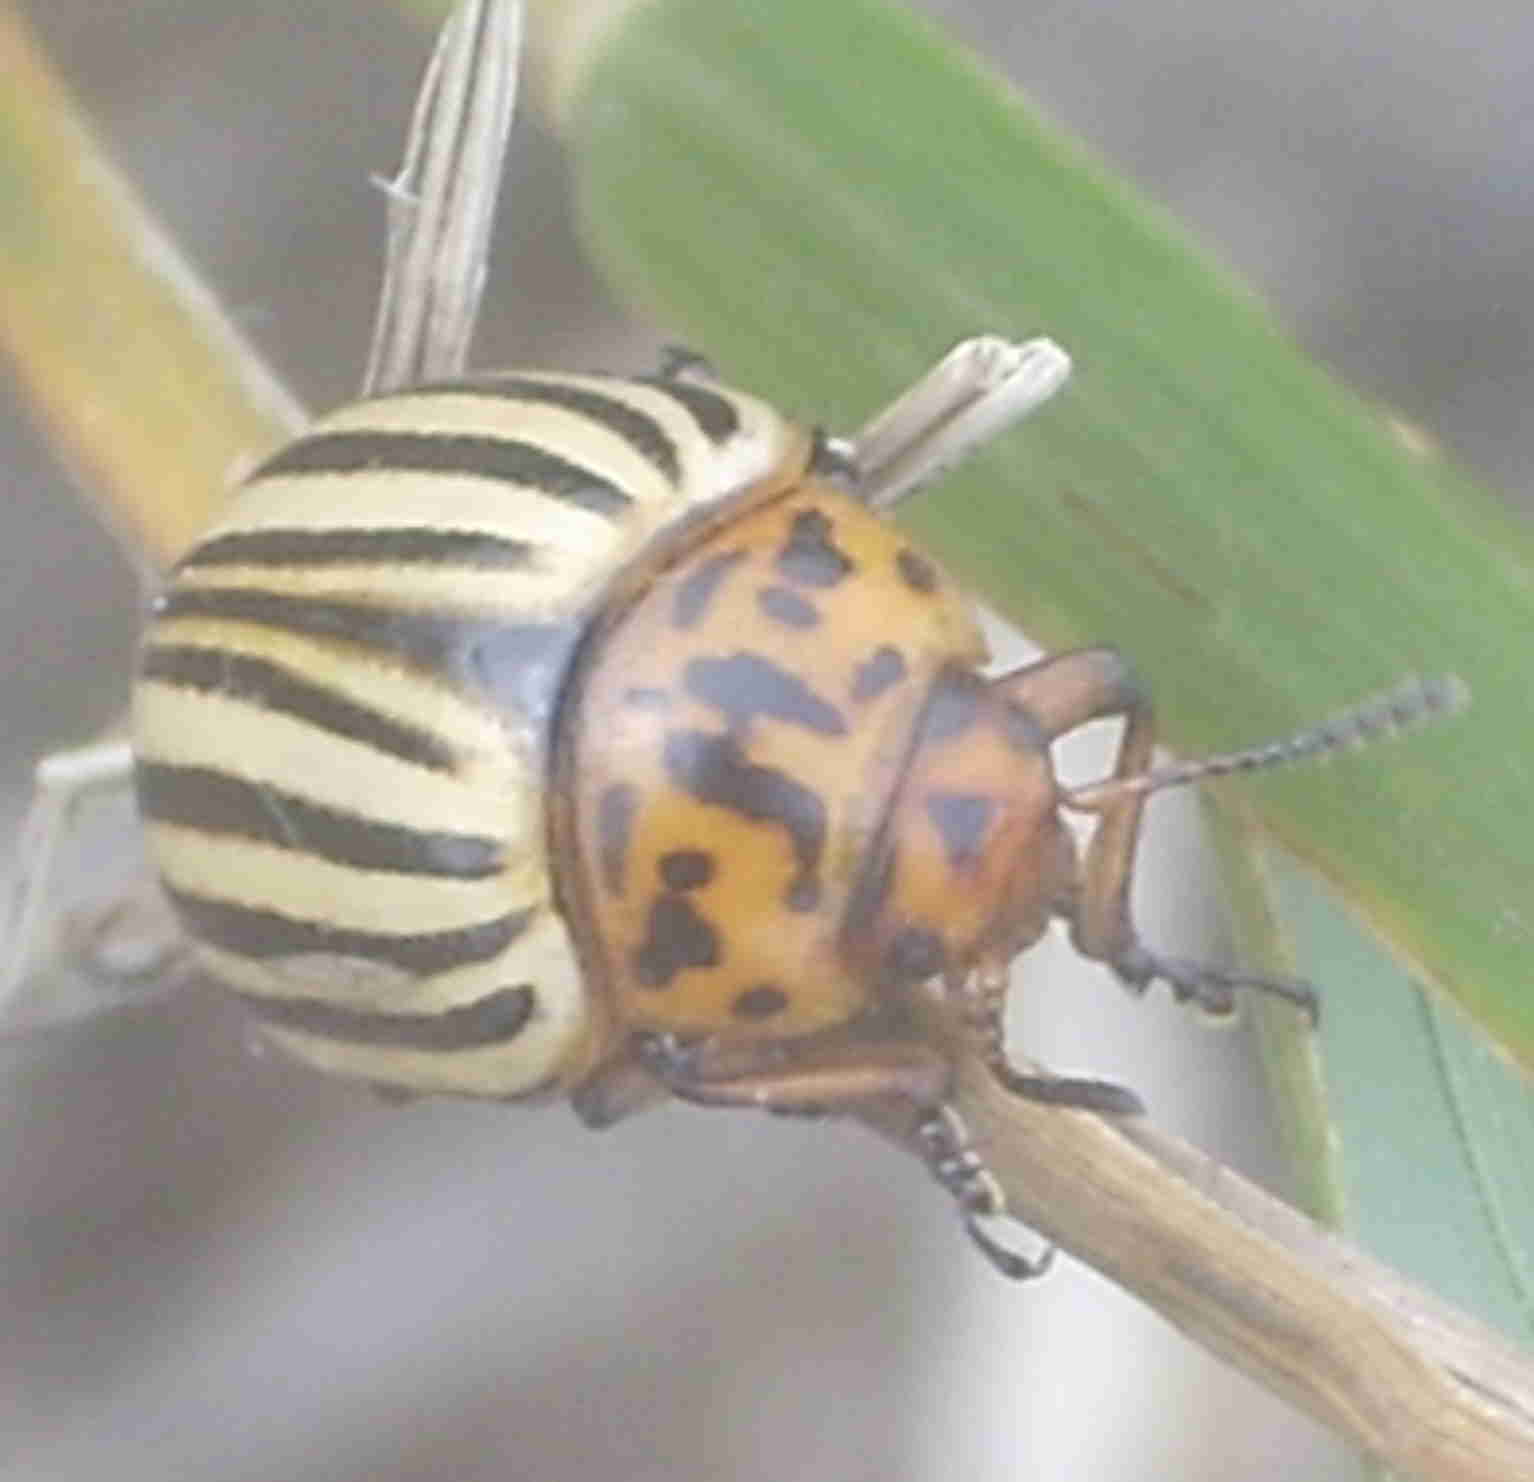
{"x":971,"y":858}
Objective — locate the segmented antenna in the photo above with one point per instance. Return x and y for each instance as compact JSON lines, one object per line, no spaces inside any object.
{"x":1378,"y":718}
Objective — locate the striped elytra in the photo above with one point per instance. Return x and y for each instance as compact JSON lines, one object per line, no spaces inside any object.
{"x":502,"y":723}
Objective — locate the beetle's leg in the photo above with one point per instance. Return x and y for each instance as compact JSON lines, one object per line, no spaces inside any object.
{"x":970,"y":396}
{"x":955,"y":1164}
{"x":615,"y":1090}
{"x":835,"y":1077}
{"x":1066,"y":691}
{"x":847,"y":1077}
{"x":982,"y":997}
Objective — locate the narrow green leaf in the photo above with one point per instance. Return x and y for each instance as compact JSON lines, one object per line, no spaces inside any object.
{"x":824,"y":198}
{"x":1450,"y":1198}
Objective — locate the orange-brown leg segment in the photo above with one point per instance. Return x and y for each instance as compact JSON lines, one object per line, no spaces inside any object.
{"x":847,"y":1076}
{"x":1067,"y":691}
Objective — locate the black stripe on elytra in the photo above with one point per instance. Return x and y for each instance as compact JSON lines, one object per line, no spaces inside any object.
{"x":615,"y":829}
{"x":810,"y":558}
{"x":884,"y":668}
{"x":745,"y":685}
{"x":962,"y":819}
{"x":638,"y":429}
{"x":676,"y":938}
{"x":503,"y":459}
{"x":716,"y":416}
{"x":783,"y":605}
{"x":214,"y":802}
{"x":250,"y":931}
{"x":714,"y":770}
{"x":517,"y":665}
{"x":344,"y":545}
{"x":698,"y":588}
{"x":274,"y":688}
{"x":492,"y":1020}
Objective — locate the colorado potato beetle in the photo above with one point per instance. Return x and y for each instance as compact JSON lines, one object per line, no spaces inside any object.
{"x":594,"y":735}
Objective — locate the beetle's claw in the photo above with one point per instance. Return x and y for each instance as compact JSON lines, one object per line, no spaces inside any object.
{"x":973,"y":1187}
{"x":1211,"y":988}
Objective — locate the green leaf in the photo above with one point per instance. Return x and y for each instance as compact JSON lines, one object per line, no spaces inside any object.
{"x":824,"y":198}
{"x":1450,"y":1197}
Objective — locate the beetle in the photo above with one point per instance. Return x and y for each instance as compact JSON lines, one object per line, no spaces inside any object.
{"x":596,"y":735}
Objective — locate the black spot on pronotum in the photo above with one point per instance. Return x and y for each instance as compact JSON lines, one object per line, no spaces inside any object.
{"x":917,"y":572}
{"x":676,"y":938}
{"x":1022,"y":729}
{"x":714,"y":770}
{"x":955,"y":704}
{"x":962,"y":819}
{"x":615,"y":829}
{"x":765,"y":1001}
{"x":878,"y":673}
{"x":810,"y":558}
{"x":700,"y":586}
{"x":686,"y":869}
{"x":745,"y":685}
{"x":914,"y":954}
{"x":783,"y":605}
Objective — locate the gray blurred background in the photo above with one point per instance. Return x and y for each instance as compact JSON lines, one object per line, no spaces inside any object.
{"x":215,"y":1266}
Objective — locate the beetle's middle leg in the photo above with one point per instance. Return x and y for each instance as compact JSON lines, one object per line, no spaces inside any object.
{"x":1066,"y":691}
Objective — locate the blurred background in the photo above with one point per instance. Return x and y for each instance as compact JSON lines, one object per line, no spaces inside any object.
{"x":215,"y":1266}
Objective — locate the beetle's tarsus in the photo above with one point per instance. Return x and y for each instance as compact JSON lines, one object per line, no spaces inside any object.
{"x":973,"y":1187}
{"x":1078,"y":1093}
{"x":1211,"y":988}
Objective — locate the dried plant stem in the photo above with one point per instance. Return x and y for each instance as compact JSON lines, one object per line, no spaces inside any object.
{"x":1408,"y":1379}
{"x":144,"y":385}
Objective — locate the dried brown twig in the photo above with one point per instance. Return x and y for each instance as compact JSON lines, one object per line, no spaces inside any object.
{"x":1404,"y":1376}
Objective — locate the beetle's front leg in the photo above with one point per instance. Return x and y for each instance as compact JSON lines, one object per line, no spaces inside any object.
{"x":1064,"y":692}
{"x":847,"y":1077}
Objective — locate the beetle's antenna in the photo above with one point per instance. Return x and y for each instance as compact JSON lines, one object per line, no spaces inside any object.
{"x":1376,"y":719}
